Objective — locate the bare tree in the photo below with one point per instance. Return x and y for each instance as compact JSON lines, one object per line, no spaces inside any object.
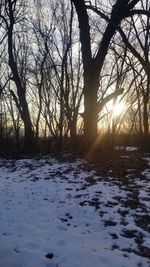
{"x":12,"y":12}
{"x":93,"y":64}
{"x":138,"y":44}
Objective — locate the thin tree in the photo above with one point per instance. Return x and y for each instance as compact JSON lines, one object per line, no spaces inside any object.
{"x":11,"y":15}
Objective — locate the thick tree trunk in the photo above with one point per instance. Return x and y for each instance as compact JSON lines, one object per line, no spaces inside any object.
{"x":146,"y":141}
{"x":72,"y":127}
{"x":93,"y":66}
{"x":145,"y":119}
{"x":29,"y":139}
{"x":73,"y":131}
{"x":90,"y":112}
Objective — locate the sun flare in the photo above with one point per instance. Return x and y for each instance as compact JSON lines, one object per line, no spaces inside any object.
{"x":118,"y":109}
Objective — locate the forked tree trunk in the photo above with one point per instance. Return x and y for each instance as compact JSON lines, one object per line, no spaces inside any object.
{"x":93,"y":66}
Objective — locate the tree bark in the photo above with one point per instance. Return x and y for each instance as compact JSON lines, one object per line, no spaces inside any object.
{"x":29,"y":140}
{"x":90,"y":111}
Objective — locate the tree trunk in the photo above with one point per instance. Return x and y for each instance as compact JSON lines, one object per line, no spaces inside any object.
{"x":73,"y":131}
{"x":146,"y":142}
{"x":93,"y":66}
{"x":29,"y":140}
{"x":90,"y":113}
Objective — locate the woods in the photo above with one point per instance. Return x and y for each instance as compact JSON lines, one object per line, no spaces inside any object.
{"x":74,"y":133}
{"x":64,"y":68}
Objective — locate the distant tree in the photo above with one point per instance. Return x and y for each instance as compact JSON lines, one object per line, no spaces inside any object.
{"x":138,"y":43}
{"x":57,"y":70}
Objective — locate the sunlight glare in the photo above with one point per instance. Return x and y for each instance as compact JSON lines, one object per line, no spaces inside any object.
{"x":117,"y":109}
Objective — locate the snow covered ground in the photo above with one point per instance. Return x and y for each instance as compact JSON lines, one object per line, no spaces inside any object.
{"x":56,"y":214}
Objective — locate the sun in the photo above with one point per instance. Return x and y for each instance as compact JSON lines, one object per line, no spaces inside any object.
{"x":118,"y":109}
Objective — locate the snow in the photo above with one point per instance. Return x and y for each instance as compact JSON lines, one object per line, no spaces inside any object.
{"x":146,"y":242}
{"x":131,"y":148}
{"x":126,"y":148}
{"x":50,"y":207}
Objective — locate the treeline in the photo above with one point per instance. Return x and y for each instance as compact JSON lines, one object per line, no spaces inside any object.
{"x":65,"y":65}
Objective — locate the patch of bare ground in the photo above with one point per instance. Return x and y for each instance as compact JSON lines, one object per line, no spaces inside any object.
{"x":124,"y":169}
{"x":120,"y":165}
